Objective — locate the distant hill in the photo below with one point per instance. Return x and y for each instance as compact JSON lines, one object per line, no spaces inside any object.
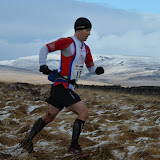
{"x":119,"y":70}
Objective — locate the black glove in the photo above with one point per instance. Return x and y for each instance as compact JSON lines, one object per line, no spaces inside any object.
{"x":99,"y":70}
{"x":45,"y":70}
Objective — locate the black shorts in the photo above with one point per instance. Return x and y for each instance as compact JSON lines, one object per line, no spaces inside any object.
{"x":61,"y":97}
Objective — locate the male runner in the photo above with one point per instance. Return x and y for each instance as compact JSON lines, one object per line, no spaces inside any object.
{"x":74,"y":53}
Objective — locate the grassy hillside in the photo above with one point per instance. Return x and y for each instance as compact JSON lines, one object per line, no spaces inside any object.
{"x":122,"y":125}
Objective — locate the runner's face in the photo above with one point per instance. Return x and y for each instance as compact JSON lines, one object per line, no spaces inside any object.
{"x":84,"y":34}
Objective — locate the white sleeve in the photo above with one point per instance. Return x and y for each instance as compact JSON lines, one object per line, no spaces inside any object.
{"x":92,"y":69}
{"x":43,"y":55}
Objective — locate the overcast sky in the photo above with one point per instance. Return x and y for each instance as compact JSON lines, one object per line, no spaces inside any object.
{"x":120,"y":27}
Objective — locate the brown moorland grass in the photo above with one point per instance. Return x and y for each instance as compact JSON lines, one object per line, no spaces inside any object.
{"x":121,"y":126}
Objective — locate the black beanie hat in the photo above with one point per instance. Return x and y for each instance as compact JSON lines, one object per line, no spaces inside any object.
{"x":82,"y":23}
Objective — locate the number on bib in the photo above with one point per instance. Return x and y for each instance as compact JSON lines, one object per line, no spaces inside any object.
{"x":78,"y":74}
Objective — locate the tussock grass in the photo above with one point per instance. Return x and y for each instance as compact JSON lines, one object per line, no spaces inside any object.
{"x":121,"y":126}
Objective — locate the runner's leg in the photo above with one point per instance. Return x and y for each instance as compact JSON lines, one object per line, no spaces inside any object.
{"x":80,"y":109}
{"x":38,"y":126}
{"x":51,"y":113}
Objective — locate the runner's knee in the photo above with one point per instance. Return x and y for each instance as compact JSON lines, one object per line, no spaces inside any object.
{"x":50,"y":114}
{"x":83,"y":115}
{"x":86,"y":116}
{"x":49,"y":117}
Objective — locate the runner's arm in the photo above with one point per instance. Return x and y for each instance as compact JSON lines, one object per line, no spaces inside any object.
{"x":42,"y":60}
{"x":89,"y":61}
{"x":90,"y":65}
{"x":43,"y":55}
{"x":60,"y":44}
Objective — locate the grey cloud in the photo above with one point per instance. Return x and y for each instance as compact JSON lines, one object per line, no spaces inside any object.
{"x":27,"y":25}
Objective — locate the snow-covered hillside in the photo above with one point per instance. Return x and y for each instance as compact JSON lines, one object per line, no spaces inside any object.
{"x":32,"y":62}
{"x":120,"y":70}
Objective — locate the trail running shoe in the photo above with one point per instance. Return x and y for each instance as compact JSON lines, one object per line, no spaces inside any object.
{"x":28,"y":146}
{"x":76,"y":150}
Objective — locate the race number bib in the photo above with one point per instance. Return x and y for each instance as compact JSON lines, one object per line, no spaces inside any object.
{"x":77,"y":71}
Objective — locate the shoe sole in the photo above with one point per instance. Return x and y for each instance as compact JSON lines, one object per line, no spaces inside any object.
{"x":79,"y":156}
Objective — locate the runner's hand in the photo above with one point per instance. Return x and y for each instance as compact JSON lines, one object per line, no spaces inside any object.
{"x":45,"y":70}
{"x":99,"y":70}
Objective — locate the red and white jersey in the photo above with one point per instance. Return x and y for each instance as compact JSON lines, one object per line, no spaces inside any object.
{"x":73,"y":56}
